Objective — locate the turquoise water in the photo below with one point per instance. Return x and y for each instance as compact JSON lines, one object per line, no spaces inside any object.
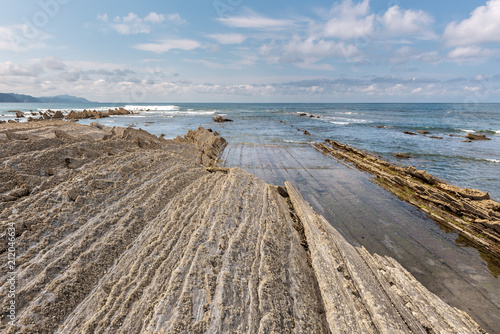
{"x":474,"y":165}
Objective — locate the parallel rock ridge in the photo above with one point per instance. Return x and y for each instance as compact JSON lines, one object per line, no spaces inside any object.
{"x":118,"y":231}
{"x":469,"y":211}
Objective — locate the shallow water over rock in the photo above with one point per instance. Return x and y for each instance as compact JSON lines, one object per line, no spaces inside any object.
{"x":372,"y":217}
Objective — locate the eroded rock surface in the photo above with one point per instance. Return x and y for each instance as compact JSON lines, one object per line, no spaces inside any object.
{"x":119,"y":231}
{"x":469,"y":211}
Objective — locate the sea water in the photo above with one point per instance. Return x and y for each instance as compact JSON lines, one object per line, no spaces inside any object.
{"x":377,"y":128}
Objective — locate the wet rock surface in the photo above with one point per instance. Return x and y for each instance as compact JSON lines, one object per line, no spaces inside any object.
{"x":120,"y":231}
{"x":221,"y":119}
{"x":469,"y":211}
{"x":476,"y":137}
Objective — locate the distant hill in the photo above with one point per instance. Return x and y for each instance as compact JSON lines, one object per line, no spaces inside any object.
{"x":11,"y":97}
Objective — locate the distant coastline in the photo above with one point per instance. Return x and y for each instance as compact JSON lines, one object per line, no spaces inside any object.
{"x":22,"y":98}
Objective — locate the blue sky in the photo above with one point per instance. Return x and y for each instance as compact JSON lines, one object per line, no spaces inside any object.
{"x":252,"y":51}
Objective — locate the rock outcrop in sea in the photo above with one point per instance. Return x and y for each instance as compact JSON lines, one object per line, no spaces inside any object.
{"x":469,"y":211}
{"x":120,"y":231}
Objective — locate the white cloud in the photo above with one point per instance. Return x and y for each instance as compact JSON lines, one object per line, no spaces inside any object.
{"x":103,"y":18}
{"x":155,"y":18}
{"x":431,"y":57}
{"x":21,"y":37}
{"x":53,"y":63}
{"x":132,"y":24}
{"x":167,"y":45}
{"x":13,"y":70}
{"x":408,"y":22}
{"x":353,"y":20}
{"x":483,"y":26}
{"x":402,"y":55}
{"x":406,"y":54}
{"x":175,"y":18}
{"x":471,"y":54}
{"x":229,"y":38}
{"x":306,"y":53}
{"x":350,"y":20}
{"x":256,"y":21}
{"x":229,"y":65}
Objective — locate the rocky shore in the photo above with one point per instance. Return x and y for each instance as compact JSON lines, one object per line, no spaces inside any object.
{"x":72,"y":115}
{"x":469,"y":211}
{"x":117,"y":230}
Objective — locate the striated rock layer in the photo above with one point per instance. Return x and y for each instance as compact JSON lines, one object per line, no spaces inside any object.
{"x":469,"y":211}
{"x":118,"y":231}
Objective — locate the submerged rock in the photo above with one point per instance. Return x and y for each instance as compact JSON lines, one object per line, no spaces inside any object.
{"x":402,"y":156}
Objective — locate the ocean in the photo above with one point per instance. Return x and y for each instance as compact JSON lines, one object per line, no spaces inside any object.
{"x":375,"y":127}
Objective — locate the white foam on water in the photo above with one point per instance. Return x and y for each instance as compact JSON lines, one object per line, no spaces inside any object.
{"x":466,"y":130}
{"x":494,"y":160}
{"x":348,"y":113}
{"x":135,"y":108}
{"x":168,"y":110}
{"x":67,"y":110}
{"x":340,"y":123}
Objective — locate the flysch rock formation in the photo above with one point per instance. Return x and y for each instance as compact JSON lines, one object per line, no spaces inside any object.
{"x":119,"y":231}
{"x":471,"y":212}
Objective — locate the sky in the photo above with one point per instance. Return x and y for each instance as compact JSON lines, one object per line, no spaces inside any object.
{"x":252,"y":51}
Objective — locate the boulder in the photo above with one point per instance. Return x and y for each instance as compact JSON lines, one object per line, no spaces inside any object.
{"x":422,"y":175}
{"x":19,"y":114}
{"x":410,"y":133}
{"x":402,"y":155}
{"x":476,"y":137}
{"x":58,"y":115}
{"x":307,"y":133}
{"x":423,"y":132}
{"x":220,"y":119}
{"x":119,"y":111}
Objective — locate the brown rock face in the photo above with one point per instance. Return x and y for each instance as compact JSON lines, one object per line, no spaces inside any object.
{"x":58,"y":115}
{"x":476,"y":137}
{"x":94,"y":114}
{"x":452,"y":206}
{"x":119,"y":231}
{"x":220,"y":119}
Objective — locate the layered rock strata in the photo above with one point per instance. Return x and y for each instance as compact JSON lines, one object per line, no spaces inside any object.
{"x":469,"y":211}
{"x":119,"y":231}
